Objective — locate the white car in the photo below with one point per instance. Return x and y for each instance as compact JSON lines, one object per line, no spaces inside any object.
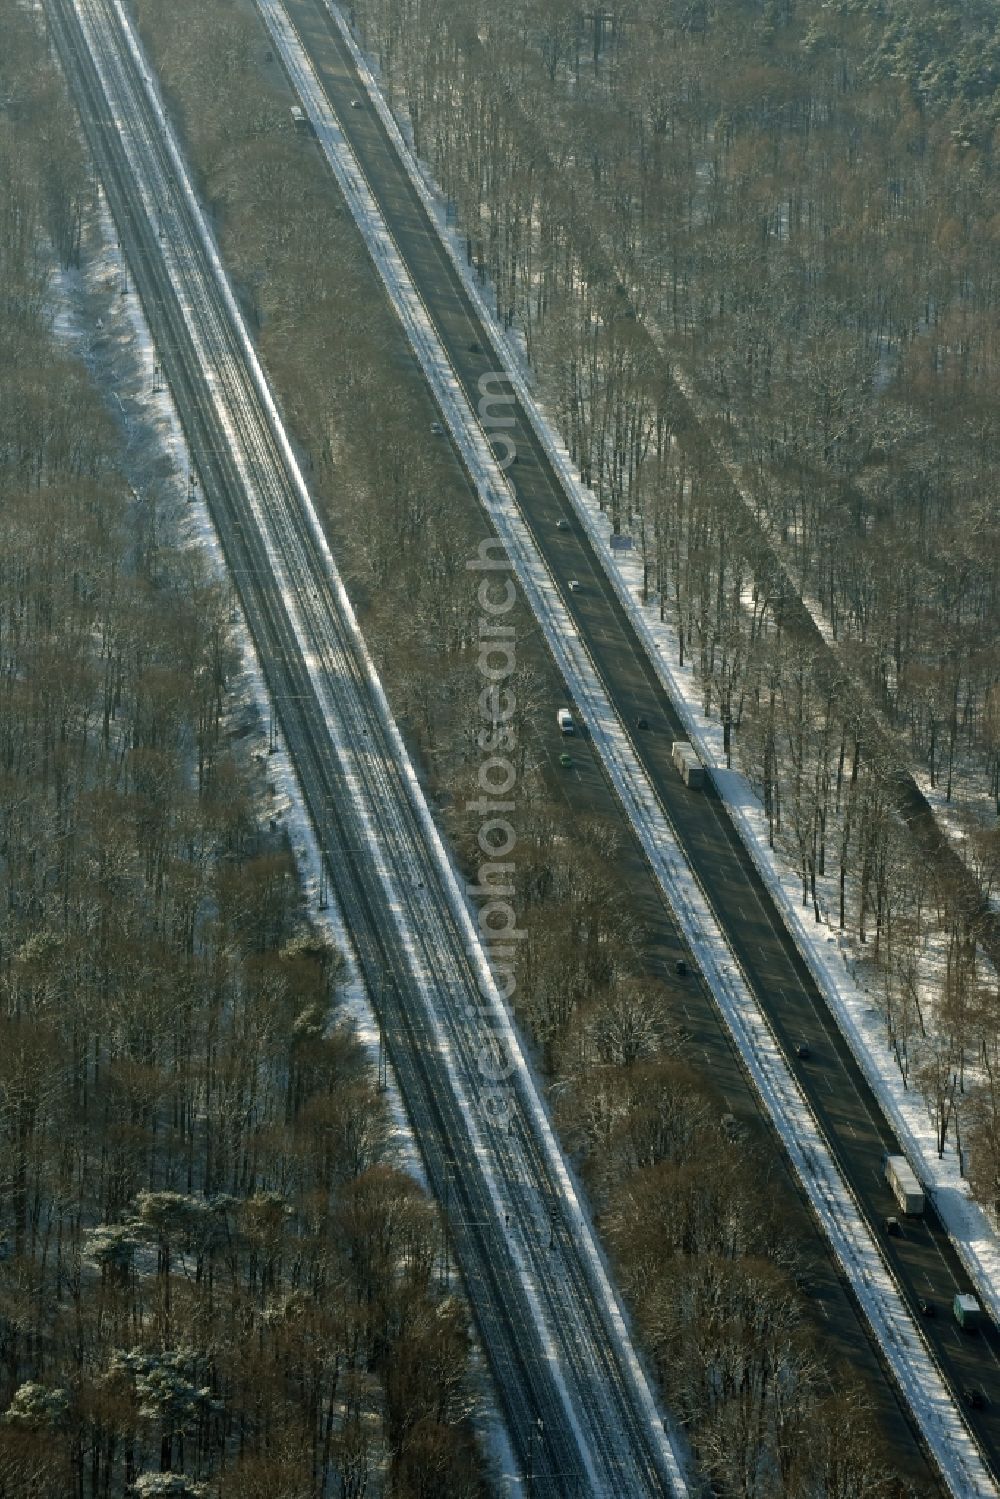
{"x":564,"y":719}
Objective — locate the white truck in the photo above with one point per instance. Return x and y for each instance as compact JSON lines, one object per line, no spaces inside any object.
{"x":686,"y":762}
{"x":967,"y":1311}
{"x":905,"y":1187}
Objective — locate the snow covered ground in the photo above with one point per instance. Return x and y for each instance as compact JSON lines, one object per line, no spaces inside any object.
{"x":158,"y":465}
{"x":901,"y":1340}
{"x":833,"y":959}
{"x":971,"y":805}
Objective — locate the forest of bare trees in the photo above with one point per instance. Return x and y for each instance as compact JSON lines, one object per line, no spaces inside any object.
{"x":214,"y":1279}
{"x":795,"y":206}
{"x":738,"y":1353}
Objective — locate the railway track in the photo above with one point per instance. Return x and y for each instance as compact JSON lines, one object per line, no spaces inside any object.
{"x":578,"y":1409}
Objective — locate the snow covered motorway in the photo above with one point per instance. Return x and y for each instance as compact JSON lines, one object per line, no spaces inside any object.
{"x":901,"y":1340}
{"x":579,"y":1410}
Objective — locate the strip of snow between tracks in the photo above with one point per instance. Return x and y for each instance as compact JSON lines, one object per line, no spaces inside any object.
{"x":903,"y":1345}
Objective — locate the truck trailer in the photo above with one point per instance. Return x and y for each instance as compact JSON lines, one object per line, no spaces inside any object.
{"x":905,"y":1187}
{"x":686,"y":761}
{"x":967,"y":1312}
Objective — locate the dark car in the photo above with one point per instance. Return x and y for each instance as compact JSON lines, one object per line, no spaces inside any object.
{"x":642,"y":722}
{"x":475,"y":347}
{"x":681,"y":968}
{"x":927,"y":1308}
{"x":802,"y":1050}
{"x":974,"y":1397}
{"x":892,"y":1227}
